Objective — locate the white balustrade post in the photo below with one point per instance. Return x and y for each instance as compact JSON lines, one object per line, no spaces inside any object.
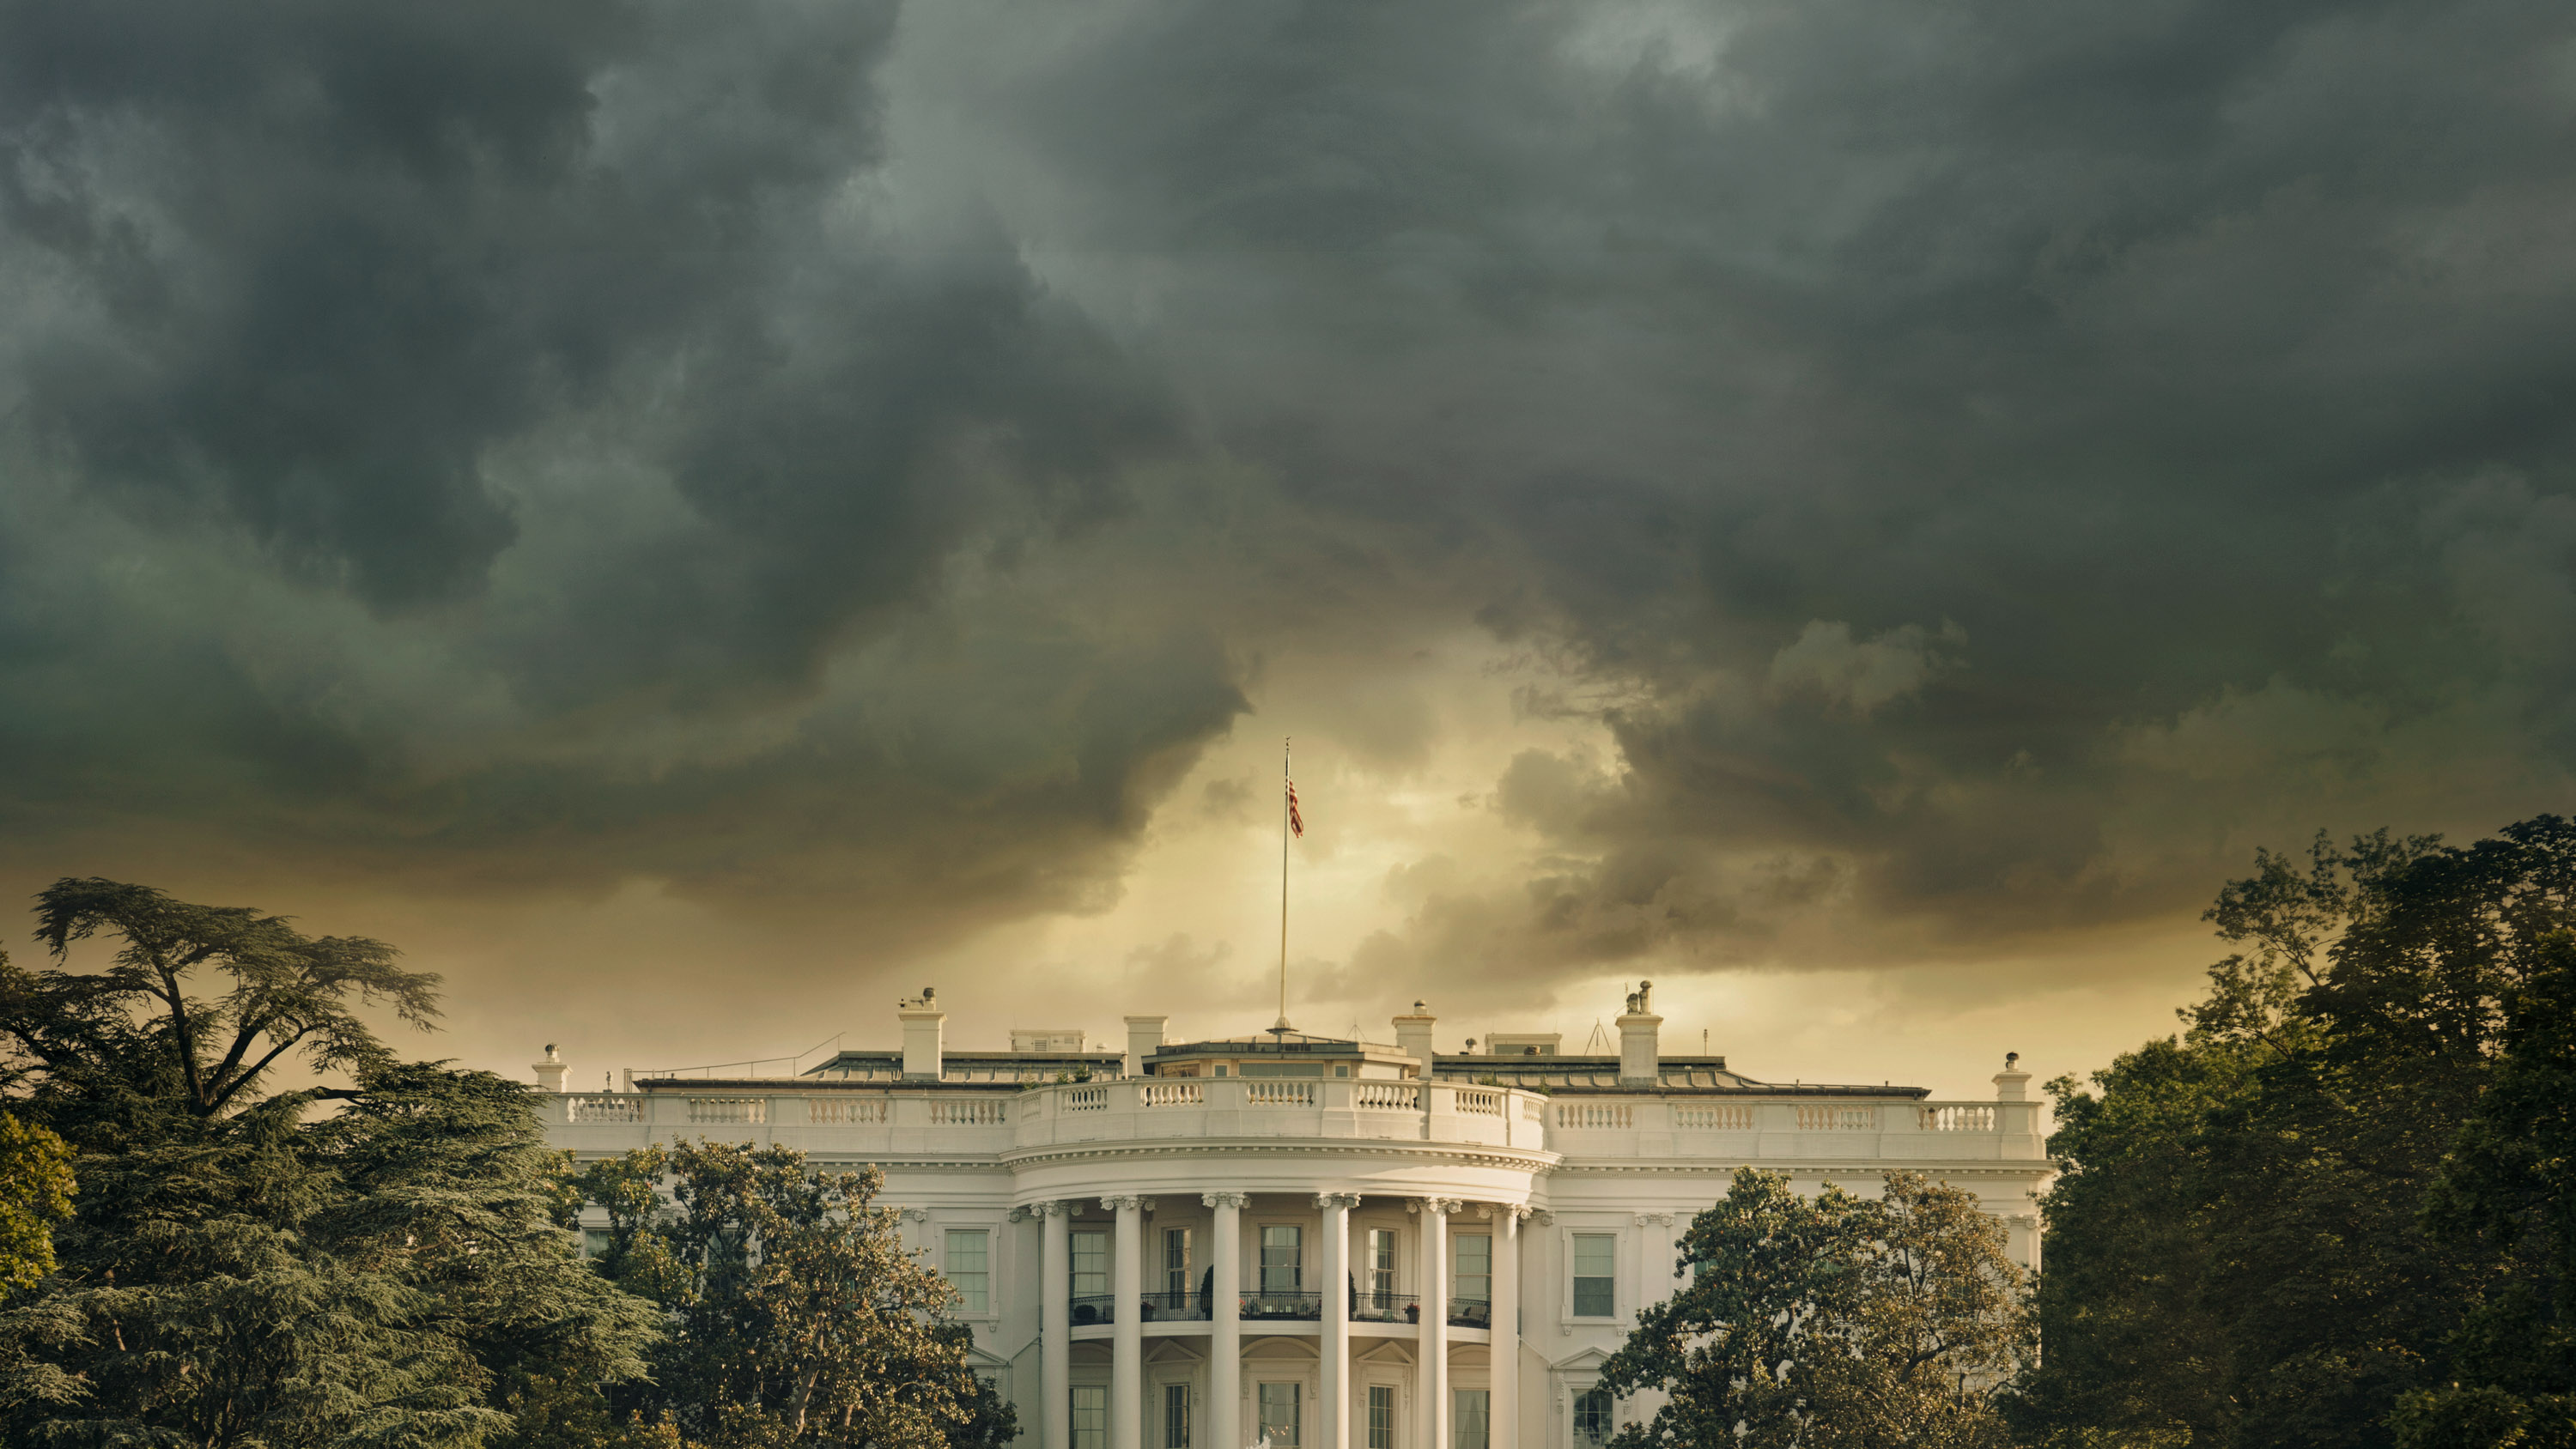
{"x":1334,"y":1428}
{"x":1432,"y":1347}
{"x":1504,"y":1370}
{"x":1127,"y":1332}
{"x":1225,"y":1338}
{"x":1055,"y":1324}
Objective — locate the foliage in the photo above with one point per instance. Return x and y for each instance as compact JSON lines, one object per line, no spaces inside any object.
{"x":35,"y":1194}
{"x":796,"y":1315}
{"x":2239,"y":1251}
{"x":1830,"y":1323}
{"x":241,"y":1273}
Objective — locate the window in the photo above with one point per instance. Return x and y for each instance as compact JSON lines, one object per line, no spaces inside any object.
{"x":966,"y":1269}
{"x":1591,"y":1417}
{"x":1596,"y":1259}
{"x":594,"y":1242}
{"x":1381,"y":1416}
{"x":1283,"y":1258}
{"x":1176,"y":1263}
{"x":1220,"y":1069}
{"x":1341,"y":1071}
{"x":1278,"y":1416}
{"x":1090,"y":1416}
{"x":1381,"y":1268}
{"x":1090,"y":1265}
{"x":1474,"y":1278}
{"x":1468,"y":1418}
{"x":1176,"y":1416}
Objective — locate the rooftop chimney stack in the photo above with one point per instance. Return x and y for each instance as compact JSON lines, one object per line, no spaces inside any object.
{"x":924,"y":1029}
{"x":1144,"y":1034}
{"x":1639,"y":1053}
{"x":2012,"y":1084}
{"x":1413,"y":1036}
{"x":550,"y":1072}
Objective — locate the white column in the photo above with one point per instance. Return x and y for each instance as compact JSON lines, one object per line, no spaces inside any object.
{"x":1506,"y":1356}
{"x":1225,"y":1337}
{"x":1431,"y":1374}
{"x":1055,"y":1324}
{"x":1333,"y":1425}
{"x":1127,"y":1331}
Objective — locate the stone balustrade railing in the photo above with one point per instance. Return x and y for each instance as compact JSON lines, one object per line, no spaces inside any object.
{"x":927,"y":1119}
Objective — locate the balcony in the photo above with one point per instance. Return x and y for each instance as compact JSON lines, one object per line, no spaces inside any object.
{"x":1162,"y":1108}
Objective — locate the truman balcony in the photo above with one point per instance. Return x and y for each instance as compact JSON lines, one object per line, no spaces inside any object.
{"x":1165,"y":1108}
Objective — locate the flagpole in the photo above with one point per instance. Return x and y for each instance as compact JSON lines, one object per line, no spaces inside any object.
{"x":1285,"y":777}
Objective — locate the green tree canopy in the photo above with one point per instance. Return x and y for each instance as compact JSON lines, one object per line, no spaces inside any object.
{"x":797,"y":1316}
{"x":36,"y":1187}
{"x":2239,"y":1250}
{"x":1834,"y":1322}
{"x":244,"y":1272}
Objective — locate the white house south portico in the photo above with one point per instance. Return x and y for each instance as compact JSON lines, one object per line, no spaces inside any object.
{"x":1318,"y":1243}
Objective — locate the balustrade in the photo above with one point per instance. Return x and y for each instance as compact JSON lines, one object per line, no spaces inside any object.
{"x":1958,"y":1119}
{"x":1723,"y":1117}
{"x":844,"y":1111}
{"x":1280,"y":1094}
{"x":728,"y":1111}
{"x":970,"y":1113}
{"x":1837,"y":1119}
{"x":1596,"y":1114}
{"x":608,"y":1107}
{"x":1482,"y":1101}
{"x":1085,"y":1099}
{"x":1170,"y":1094}
{"x":1387,"y":1097}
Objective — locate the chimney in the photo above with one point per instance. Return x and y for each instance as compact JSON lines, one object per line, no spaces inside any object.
{"x":1144,"y":1033}
{"x":1413,"y":1036}
{"x":550,"y":1072}
{"x":1639,"y":1063}
{"x":923,"y":1024}
{"x":2012,"y":1084}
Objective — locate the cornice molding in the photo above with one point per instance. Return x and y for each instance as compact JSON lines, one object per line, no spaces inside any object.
{"x":1514,"y":1159}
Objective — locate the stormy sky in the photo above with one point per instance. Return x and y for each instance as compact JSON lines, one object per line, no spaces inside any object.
{"x":697,"y":520}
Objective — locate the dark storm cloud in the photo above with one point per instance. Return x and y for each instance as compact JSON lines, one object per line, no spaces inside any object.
{"x":2149,"y":359}
{"x":570,"y":342}
{"x":1985,"y":464}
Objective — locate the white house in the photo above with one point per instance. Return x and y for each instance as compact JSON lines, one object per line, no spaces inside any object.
{"x":1329,"y":1244}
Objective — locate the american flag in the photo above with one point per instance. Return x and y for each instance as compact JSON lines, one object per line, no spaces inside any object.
{"x":1296,"y":822}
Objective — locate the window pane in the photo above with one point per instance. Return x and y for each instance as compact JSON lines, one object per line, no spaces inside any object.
{"x":1090,"y":1416}
{"x":1176,"y":1261}
{"x":1283,"y":1259}
{"x":1090,"y":1265}
{"x":1475,"y":1275}
{"x":1279,"y":1415}
{"x":1596,"y":1255}
{"x":1381,"y":1415}
{"x":594,"y":1242}
{"x":1467,"y":1418}
{"x":1595,"y":1275}
{"x":967,"y":1269}
{"x":1381,"y":1267}
{"x":1176,"y":1416}
{"x":1592,"y":1416}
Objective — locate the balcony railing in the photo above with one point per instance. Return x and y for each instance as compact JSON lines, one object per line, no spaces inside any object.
{"x":1470,"y":1313}
{"x":1168,"y":1307}
{"x":1385,"y":1308}
{"x":1309,"y":1306}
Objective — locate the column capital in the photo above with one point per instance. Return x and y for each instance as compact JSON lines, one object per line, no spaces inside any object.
{"x":1226,"y":1199}
{"x":1337,"y":1199}
{"x":1661,"y":1220}
{"x":1021,"y":1213}
{"x":915,"y":1215}
{"x":1441,"y":1205}
{"x":1052,"y":1209}
{"x":1544,"y":1219}
{"x":1521,"y":1212}
{"x":1127,"y":1204}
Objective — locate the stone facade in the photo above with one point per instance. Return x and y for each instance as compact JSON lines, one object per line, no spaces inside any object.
{"x":1325,"y":1243}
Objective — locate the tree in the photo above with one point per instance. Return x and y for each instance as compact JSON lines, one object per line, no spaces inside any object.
{"x":2239,"y":1250}
{"x":797,"y":1316}
{"x":1830,"y":1322}
{"x":239,"y":1275}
